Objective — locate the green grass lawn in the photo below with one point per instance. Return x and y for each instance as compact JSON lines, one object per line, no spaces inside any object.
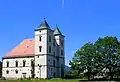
{"x":46,"y":80}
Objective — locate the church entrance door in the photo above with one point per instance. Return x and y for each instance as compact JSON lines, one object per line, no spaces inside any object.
{"x":24,"y":75}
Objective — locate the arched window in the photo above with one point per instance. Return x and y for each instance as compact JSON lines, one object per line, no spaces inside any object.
{"x":7,"y":64}
{"x":16,"y":63}
{"x":32,"y":62}
{"x":24,"y":62}
{"x":40,"y":48}
{"x":7,"y":72}
{"x":16,"y":71}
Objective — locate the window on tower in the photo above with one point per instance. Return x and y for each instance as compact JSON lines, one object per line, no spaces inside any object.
{"x":49,"y":49}
{"x":40,"y":48}
{"x":62,"y":52}
{"x":40,"y":38}
{"x":62,"y":44}
{"x":49,"y":38}
{"x":16,"y":63}
{"x":54,"y":53}
{"x":54,"y":63}
{"x":53,"y":42}
{"x":24,"y":62}
{"x":7,"y":64}
{"x":54,"y":75}
{"x":32,"y":63}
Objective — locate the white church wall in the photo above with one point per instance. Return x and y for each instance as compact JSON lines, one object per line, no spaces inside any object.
{"x":41,"y":72}
{"x":13,"y":74}
{"x":12,"y":67}
{"x":41,"y":60}
{"x":43,"y":42}
{"x":41,"y":57}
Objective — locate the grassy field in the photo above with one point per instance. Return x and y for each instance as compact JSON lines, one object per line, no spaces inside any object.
{"x":38,"y":80}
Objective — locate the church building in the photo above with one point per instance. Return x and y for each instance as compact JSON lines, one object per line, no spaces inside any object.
{"x":40,"y":57}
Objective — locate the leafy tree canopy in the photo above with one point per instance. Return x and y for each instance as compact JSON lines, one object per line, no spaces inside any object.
{"x":101,"y":58}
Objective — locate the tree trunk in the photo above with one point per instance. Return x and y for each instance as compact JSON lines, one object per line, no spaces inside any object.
{"x":111,"y":75}
{"x":88,"y":76}
{"x":93,"y":77}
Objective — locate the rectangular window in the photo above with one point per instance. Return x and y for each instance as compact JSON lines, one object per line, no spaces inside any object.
{"x":49,"y":49}
{"x":62,"y":43}
{"x":40,"y":38}
{"x":32,"y":63}
{"x":54,"y":53}
{"x":54,"y":75}
{"x":38,"y":56}
{"x":16,"y":63}
{"x":62,"y":52}
{"x":49,"y":38}
{"x":7,"y":64}
{"x":54,"y":63}
{"x":53,"y":42}
{"x":40,"y":48}
{"x":24,"y":63}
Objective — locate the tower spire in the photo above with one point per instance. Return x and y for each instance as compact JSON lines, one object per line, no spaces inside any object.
{"x":57,"y":31}
{"x":43,"y":25}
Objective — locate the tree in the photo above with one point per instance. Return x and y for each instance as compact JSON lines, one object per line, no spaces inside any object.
{"x":101,"y":58}
{"x":84,"y":59}
{"x":108,"y":48}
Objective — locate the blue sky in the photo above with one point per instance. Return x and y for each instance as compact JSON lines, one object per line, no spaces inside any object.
{"x":79,"y":20}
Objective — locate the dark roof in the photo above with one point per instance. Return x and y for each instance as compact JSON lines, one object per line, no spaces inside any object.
{"x":43,"y":25}
{"x":57,"y":31}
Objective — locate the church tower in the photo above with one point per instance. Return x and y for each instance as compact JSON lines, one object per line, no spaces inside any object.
{"x":49,"y":52}
{"x":59,"y":37}
{"x":41,"y":49}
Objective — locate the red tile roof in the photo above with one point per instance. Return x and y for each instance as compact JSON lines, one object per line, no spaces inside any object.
{"x":25,"y":48}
